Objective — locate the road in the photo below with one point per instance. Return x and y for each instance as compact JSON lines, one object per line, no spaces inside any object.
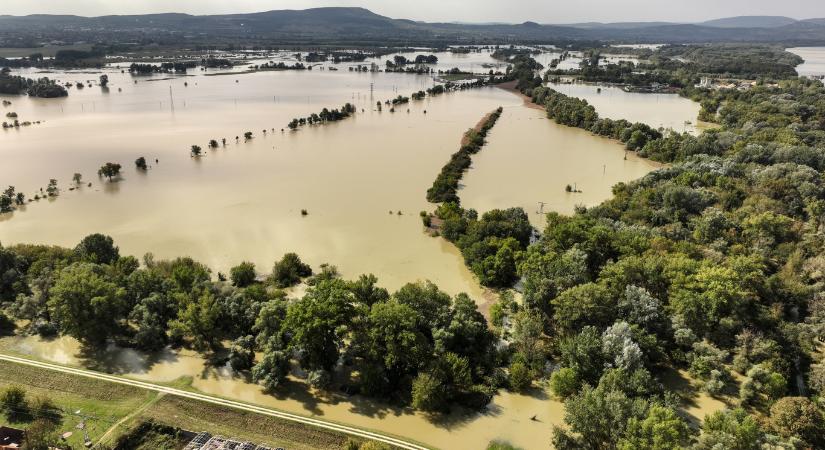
{"x":219,"y":401}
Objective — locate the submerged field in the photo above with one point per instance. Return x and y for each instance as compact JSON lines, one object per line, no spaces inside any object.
{"x":362,"y":182}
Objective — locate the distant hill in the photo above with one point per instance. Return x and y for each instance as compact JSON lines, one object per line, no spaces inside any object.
{"x":618,"y":25}
{"x":750,"y":22}
{"x":344,"y":26}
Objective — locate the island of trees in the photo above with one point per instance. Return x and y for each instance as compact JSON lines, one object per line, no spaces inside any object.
{"x":42,"y":87}
{"x":445,"y":186}
{"x":323,"y":117}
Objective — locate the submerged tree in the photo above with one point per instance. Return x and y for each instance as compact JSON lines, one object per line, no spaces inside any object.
{"x":140,"y":163}
{"x":109,"y":170}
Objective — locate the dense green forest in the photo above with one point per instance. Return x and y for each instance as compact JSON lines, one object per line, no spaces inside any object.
{"x":416,"y":346}
{"x":711,"y":264}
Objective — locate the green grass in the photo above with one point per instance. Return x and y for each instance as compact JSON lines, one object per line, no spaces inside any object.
{"x":104,"y":403}
{"x":197,"y":416}
{"x":124,"y":407}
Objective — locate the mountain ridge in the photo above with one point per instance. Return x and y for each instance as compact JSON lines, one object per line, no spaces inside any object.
{"x":355,"y":23}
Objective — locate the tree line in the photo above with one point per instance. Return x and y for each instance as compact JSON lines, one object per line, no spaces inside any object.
{"x":324,"y":116}
{"x":710,"y":266}
{"x":445,"y":186}
{"x":416,"y":346}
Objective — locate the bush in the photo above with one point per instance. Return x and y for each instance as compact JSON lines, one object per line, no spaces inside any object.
{"x":14,"y":404}
{"x":289,"y":271}
{"x":243,"y":274}
{"x":564,"y":382}
{"x":520,"y":377}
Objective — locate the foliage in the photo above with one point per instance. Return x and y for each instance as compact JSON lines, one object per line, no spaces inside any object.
{"x":109,"y":170}
{"x":445,"y":186}
{"x":289,"y":271}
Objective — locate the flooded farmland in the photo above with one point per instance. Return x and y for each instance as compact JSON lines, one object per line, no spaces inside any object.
{"x":362,"y":181}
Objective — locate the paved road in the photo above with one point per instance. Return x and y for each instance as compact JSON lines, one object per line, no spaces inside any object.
{"x":218,"y":401}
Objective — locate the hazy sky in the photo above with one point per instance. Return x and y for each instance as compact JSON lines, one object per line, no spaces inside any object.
{"x":543,"y":11}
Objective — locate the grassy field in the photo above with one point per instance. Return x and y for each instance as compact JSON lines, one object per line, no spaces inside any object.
{"x":112,"y":409}
{"x":49,"y":51}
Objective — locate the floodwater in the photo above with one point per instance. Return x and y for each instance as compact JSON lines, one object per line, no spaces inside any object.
{"x":529,"y":160}
{"x":668,"y":111}
{"x":814,"y":65}
{"x":244,"y":201}
{"x":508,"y":417}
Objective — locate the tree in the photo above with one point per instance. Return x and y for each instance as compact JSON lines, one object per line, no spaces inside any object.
{"x":269,"y":322}
{"x":799,"y":417}
{"x":521,"y":377}
{"x":619,"y":349}
{"x":243,"y":274}
{"x":528,"y":329}
{"x":583,"y":354}
{"x":661,"y":429}
{"x":51,"y":189}
{"x":195,"y":150}
{"x":241,"y":353}
{"x":393,"y":340}
{"x":431,"y":304}
{"x":564,"y":382}
{"x":273,"y":368}
{"x":248,"y":135}
{"x":585,"y":304}
{"x":289,"y":271}
{"x":318,"y":322}
{"x":98,"y":249}
{"x":109,"y":170}
{"x":140,"y":163}
{"x":198,"y":320}
{"x":14,"y":404}
{"x":596,"y":420}
{"x":729,"y":429}
{"x":104,"y":80}
{"x":76,"y":178}
{"x":428,"y":393}
{"x":41,"y":435}
{"x":7,"y":200}
{"x":85,"y":304}
{"x":367,"y":292}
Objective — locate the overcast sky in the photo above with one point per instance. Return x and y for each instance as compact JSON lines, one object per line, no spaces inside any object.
{"x":514,"y":11}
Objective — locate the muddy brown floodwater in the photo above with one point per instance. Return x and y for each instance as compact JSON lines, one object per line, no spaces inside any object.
{"x":243,"y":202}
{"x":508,"y":417}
